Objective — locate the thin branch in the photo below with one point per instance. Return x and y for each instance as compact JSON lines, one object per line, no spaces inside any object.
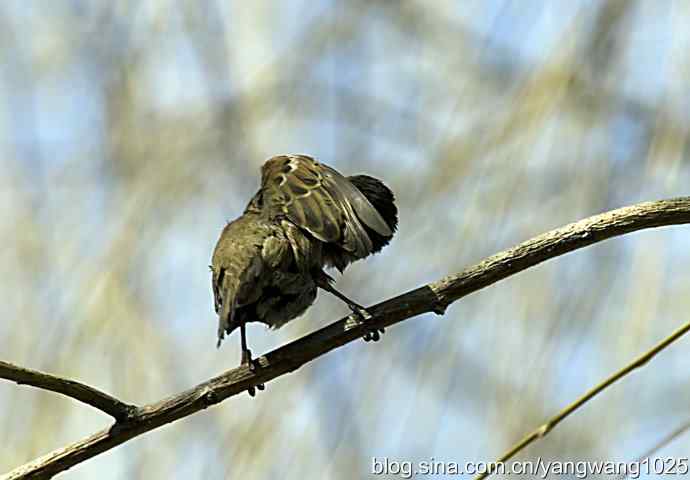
{"x":70,"y":388}
{"x":434,"y":297}
{"x":551,"y":423}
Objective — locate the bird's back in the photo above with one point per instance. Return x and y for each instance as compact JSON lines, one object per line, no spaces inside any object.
{"x":352,"y":217}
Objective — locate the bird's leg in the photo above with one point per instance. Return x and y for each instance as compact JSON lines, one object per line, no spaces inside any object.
{"x":356,"y":308}
{"x":247,"y":357}
{"x":246,"y":353}
{"x":324,"y":281}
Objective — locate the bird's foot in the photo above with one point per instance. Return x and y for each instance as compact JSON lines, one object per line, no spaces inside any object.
{"x":360,"y":311}
{"x":374,"y":335}
{"x":247,"y":360}
{"x":324,"y":281}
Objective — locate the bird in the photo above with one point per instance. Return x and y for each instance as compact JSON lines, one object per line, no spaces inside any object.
{"x":268,"y":264}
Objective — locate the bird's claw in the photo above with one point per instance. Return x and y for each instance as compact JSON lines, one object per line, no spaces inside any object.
{"x":247,"y":360}
{"x":251,"y":364}
{"x":374,"y":335}
{"x":361,"y":312}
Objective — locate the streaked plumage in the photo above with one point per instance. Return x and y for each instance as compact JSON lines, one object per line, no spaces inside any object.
{"x":268,"y":263}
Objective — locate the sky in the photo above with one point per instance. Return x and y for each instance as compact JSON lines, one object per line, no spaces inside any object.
{"x":130,"y":133}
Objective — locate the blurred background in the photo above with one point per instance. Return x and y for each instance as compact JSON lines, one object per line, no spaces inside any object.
{"x":130,"y":132}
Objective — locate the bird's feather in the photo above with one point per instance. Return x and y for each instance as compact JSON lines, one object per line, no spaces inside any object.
{"x":320,"y":200}
{"x":237,"y":267}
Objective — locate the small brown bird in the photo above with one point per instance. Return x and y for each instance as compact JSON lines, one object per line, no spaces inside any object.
{"x":268,"y":263}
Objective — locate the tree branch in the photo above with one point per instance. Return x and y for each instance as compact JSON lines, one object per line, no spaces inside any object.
{"x":544,"y":430}
{"x":664,"y":442}
{"x":434,"y":297}
{"x":70,"y":388}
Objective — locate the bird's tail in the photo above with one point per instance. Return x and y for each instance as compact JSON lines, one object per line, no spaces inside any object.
{"x":225,"y":287}
{"x":383,"y":200}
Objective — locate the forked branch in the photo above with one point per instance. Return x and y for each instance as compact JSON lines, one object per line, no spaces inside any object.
{"x":70,"y":388}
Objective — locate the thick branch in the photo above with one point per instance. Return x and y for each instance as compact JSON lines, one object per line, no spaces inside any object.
{"x":78,"y":391}
{"x":434,"y":297}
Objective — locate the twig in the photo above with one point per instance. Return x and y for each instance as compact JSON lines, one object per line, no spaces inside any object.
{"x":664,"y":442}
{"x":434,"y":297}
{"x":70,"y":388}
{"x":549,"y":425}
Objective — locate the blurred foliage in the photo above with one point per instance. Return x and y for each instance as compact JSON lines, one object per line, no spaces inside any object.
{"x":131,"y":131}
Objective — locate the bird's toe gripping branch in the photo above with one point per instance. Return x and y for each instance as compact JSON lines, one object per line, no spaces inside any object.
{"x":248,"y":360}
{"x":324,"y":282}
{"x":364,"y":316}
{"x":374,"y":335}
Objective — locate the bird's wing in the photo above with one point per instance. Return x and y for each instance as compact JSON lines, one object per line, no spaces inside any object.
{"x":347,"y":191}
{"x":320,"y":200}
